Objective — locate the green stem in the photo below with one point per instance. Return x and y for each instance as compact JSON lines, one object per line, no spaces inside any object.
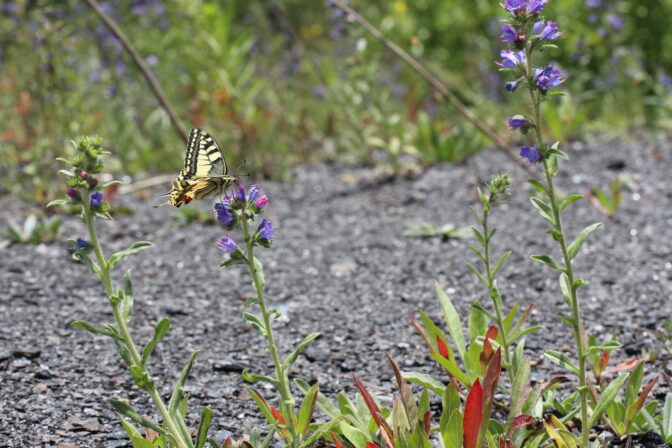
{"x":576,"y":311}
{"x":180,"y":442}
{"x":286,"y":399}
{"x":494,"y":295}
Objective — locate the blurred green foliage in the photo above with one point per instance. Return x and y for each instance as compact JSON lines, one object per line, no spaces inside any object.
{"x":279,"y":82}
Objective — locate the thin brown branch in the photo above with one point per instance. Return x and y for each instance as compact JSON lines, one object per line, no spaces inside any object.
{"x":142,"y":66}
{"x":436,"y":83}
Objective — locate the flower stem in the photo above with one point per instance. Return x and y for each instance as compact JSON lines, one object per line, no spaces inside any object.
{"x":286,"y":399}
{"x":178,"y":438}
{"x":535,"y":97}
{"x":494,"y":294}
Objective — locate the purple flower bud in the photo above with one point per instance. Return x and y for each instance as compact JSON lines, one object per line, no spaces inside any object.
{"x":511,"y":86}
{"x":84,"y":175}
{"x":547,"y":77}
{"x":530,"y":153}
{"x":93,"y":183}
{"x":254,"y":193}
{"x":524,"y":7}
{"x":509,"y":34}
{"x":518,"y":123}
{"x":82,"y":244}
{"x":97,"y":199}
{"x":226,"y":244}
{"x":265,"y":230}
{"x":261,"y":202}
{"x":615,"y":21}
{"x":73,"y":194}
{"x":240,"y":194}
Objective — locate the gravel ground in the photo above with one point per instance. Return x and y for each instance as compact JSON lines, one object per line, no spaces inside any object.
{"x":339,"y":266}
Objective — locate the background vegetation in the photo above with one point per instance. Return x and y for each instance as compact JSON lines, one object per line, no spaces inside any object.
{"x":280,"y":82}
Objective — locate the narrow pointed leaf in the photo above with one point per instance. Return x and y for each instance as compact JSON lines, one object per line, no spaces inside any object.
{"x":176,"y":397}
{"x":386,"y":432}
{"x":550,"y":261}
{"x":307,"y":409}
{"x":160,"y":331}
{"x":606,"y":398}
{"x":580,"y":238}
{"x":452,"y":321}
{"x":125,"y":409}
{"x":473,"y":416}
{"x":295,"y":354}
{"x":203,"y":427}
{"x":117,"y":257}
{"x":562,"y":360}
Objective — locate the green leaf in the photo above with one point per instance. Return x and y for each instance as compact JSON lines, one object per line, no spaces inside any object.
{"x":606,"y":398}
{"x":480,"y":276}
{"x":90,"y":328}
{"x":125,"y":409}
{"x":478,"y":323}
{"x":666,"y":420}
{"x":141,"y":442}
{"x":519,"y":390}
{"x":129,"y":428}
{"x":231,"y":262}
{"x":109,"y":183}
{"x":117,"y":257}
{"x":580,"y":238}
{"x":259,"y":272}
{"x":252,"y":378}
{"x":478,"y":236}
{"x":307,"y":409}
{"x":179,"y":386}
{"x":321,"y":430}
{"x":425,"y":381}
{"x":634,"y":384}
{"x":292,"y":357}
{"x":537,"y":186}
{"x":160,"y":331}
{"x":566,"y":288}
{"x":58,"y":202}
{"x":550,"y":261}
{"x":127,"y":303}
{"x":451,"y":366}
{"x":323,"y":402}
{"x":562,"y":360}
{"x":255,"y":322}
{"x":452,"y":321}
{"x":501,"y":261}
{"x":608,"y":345}
{"x":203,"y":427}
{"x":543,"y":208}
{"x":570,"y":199}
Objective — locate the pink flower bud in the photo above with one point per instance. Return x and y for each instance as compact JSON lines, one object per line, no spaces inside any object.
{"x":261,"y":202}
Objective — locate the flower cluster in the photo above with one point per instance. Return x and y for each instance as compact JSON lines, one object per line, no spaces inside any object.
{"x":526,"y":31}
{"x":242,"y":207}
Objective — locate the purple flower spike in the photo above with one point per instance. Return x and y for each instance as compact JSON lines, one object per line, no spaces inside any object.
{"x":73,"y":194}
{"x":97,"y":199}
{"x":82,"y":244}
{"x":224,"y":214}
{"x":547,"y":77}
{"x":261,"y":202}
{"x":266,"y":230}
{"x":546,"y":30}
{"x":513,"y":59}
{"x":513,"y":6}
{"x":526,"y":7}
{"x":530,"y":153}
{"x":254,"y":193}
{"x":227,"y":245}
{"x":509,"y":34}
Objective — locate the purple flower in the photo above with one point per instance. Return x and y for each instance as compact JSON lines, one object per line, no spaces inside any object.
{"x":224,"y":214}
{"x":74,"y":194}
{"x":97,"y":199}
{"x":226,"y":244}
{"x":261,"y":202}
{"x":518,"y":123}
{"x":509,"y":34}
{"x":615,"y":21}
{"x":530,"y":153}
{"x":592,"y":4}
{"x":593,"y":18}
{"x":513,"y":59}
{"x":526,"y":7}
{"x":547,"y":77}
{"x":319,"y":91}
{"x":265,"y":230}
{"x":546,"y":30}
{"x":666,"y":81}
{"x":82,"y":244}
{"x":254,"y":193}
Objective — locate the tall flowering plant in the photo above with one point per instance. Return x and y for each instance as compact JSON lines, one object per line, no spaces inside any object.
{"x":527,"y":33}
{"x":243,"y":209}
{"x":84,"y":191}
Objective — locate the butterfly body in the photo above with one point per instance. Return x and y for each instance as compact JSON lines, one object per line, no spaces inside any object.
{"x":204,"y":173}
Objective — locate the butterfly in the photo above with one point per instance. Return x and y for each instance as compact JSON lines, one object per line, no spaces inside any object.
{"x":204,"y":173}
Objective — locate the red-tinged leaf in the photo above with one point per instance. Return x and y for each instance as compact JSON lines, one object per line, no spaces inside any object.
{"x":385,"y":431}
{"x":522,"y":421}
{"x":336,"y":441}
{"x":443,"y":348}
{"x":667,"y":379}
{"x":625,"y":365}
{"x":407,"y":398}
{"x":506,"y":443}
{"x":487,"y":352}
{"x":637,"y":405}
{"x":604,"y":359}
{"x":473,"y":416}
{"x":490,"y":381}
{"x":555,"y":380}
{"x":371,"y":445}
{"x":420,"y":329}
{"x":428,"y":422}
